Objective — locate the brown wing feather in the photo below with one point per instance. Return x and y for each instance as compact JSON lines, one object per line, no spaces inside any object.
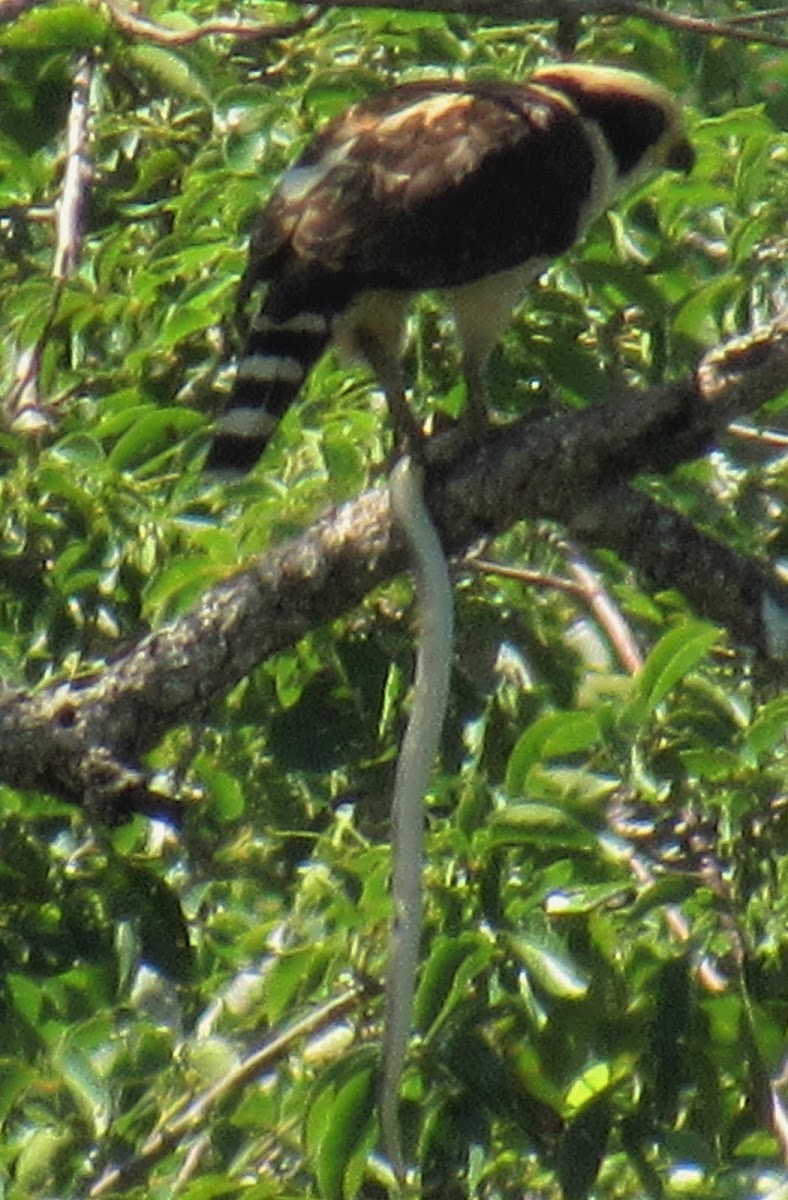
{"x":428,"y":185}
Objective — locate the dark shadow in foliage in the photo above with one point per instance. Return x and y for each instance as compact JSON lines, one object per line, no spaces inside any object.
{"x":583,"y":1147}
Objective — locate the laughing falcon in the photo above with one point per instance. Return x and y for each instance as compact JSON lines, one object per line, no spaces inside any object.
{"x":468,"y":188}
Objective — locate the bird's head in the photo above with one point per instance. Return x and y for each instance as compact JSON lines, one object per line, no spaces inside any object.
{"x":642,"y":123}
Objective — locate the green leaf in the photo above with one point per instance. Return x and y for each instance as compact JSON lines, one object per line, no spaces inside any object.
{"x":593,"y":1082}
{"x":581,"y":791}
{"x":553,"y":971}
{"x":162,"y":166}
{"x":453,"y":964}
{"x":213,"y":1187}
{"x":163,"y":932}
{"x":36,"y":1165}
{"x":17,"y":177}
{"x":542,"y":824}
{"x":28,"y":997}
{"x":769,"y":730}
{"x":572,"y":368}
{"x":553,"y":735}
{"x":701,"y":315}
{"x":348,"y":1136}
{"x":176,"y":588}
{"x":15,"y":1079}
{"x":226,"y":792}
{"x":669,"y":889}
{"x":289,"y":974}
{"x":186,"y":319}
{"x":673,"y":657}
{"x":56,"y":27}
{"x":176,"y":72}
{"x":154,"y":431}
{"x":88,"y":1088}
{"x":587,"y":899}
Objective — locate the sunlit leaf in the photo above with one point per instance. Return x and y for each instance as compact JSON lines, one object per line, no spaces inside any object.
{"x":550,"y":969}
{"x":69,"y":26}
{"x":175,"y":71}
{"x":447,"y":976}
{"x":538,"y":823}
{"x":554,"y":735}
{"x":676,"y":653}
{"x":177,"y":587}
{"x":769,"y":730}
{"x":153,"y":431}
{"x":37,"y":1162}
{"x":348,"y":1134}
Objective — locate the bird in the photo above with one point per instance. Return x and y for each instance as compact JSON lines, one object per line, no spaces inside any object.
{"x":468,"y":188}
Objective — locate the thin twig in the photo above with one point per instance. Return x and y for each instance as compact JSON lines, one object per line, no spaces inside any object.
{"x":704,"y":26}
{"x":78,"y":173}
{"x":134,"y":25}
{"x":542,"y":579}
{"x":24,"y":400}
{"x":709,"y":975}
{"x":766,"y":14}
{"x":604,"y":609}
{"x":192,"y":1160}
{"x":585,"y":586}
{"x":167,"y":1135}
{"x":552,"y":10}
{"x":769,"y":438}
{"x":24,"y":403}
{"x":779,"y":1114}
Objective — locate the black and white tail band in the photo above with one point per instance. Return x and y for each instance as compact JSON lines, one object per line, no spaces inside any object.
{"x":277,"y":358}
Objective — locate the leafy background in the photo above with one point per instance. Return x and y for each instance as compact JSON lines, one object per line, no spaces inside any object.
{"x":604,"y":992}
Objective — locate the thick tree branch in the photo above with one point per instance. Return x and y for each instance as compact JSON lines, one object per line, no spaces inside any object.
{"x":668,"y":551}
{"x":83,"y":740}
{"x":11,"y":9}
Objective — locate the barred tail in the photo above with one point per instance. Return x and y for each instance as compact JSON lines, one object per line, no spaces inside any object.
{"x":277,"y":358}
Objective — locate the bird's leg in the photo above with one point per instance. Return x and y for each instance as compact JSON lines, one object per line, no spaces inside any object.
{"x":407,"y":433}
{"x":468,"y":430}
{"x":475,"y":416}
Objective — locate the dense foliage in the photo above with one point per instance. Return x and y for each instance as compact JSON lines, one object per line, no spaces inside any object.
{"x":604,"y":994}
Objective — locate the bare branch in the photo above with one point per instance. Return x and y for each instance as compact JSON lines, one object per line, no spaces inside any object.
{"x":77,"y":176}
{"x":703,"y":26}
{"x":754,"y":18}
{"x":24,"y":401}
{"x":168,"y":1134}
{"x":725,"y":374}
{"x":604,"y":608}
{"x":131,"y":23}
{"x":709,"y":974}
{"x":769,"y":439}
{"x":25,"y":405}
{"x":585,"y":586}
{"x":526,"y":575}
{"x":83,"y":740}
{"x":668,"y":551}
{"x":568,"y":11}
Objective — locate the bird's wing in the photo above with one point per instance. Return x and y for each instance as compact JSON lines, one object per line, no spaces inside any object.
{"x":428,"y":185}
